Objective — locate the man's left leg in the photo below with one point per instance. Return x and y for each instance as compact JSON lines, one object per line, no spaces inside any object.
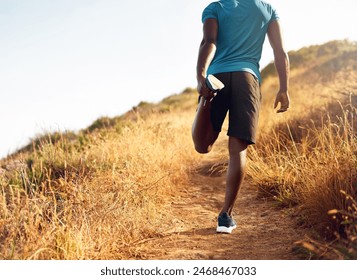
{"x":203,"y":134}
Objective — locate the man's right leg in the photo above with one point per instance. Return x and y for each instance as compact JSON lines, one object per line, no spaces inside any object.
{"x":235,"y":175}
{"x":244,"y":104}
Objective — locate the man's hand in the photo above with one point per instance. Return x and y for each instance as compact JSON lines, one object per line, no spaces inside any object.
{"x":203,"y":89}
{"x":283,"y":98}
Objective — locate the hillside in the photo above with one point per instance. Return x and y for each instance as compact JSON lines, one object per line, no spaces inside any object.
{"x":130,"y":187}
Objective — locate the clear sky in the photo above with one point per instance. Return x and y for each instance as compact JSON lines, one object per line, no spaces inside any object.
{"x":65,"y":63}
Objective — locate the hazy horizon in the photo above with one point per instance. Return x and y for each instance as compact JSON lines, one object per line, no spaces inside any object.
{"x":64,"y":64}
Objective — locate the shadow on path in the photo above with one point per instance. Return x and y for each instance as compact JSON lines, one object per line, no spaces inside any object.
{"x":263,"y":231}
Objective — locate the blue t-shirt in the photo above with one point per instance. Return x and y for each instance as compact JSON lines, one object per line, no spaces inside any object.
{"x":242,"y":28}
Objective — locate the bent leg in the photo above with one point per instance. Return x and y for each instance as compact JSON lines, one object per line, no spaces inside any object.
{"x":236,"y":171}
{"x":203,"y":134}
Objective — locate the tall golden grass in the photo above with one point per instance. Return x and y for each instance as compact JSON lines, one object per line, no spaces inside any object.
{"x":100,"y":193}
{"x":307,"y":159}
{"x":68,"y":200}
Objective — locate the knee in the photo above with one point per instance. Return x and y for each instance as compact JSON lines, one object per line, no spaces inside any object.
{"x":203,"y":149}
{"x":237,"y":145}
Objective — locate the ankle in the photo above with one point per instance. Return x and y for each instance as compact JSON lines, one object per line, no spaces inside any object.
{"x":229,"y":212}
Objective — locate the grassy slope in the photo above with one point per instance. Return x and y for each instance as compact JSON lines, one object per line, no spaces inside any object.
{"x":95,"y":194}
{"x":308,"y":156}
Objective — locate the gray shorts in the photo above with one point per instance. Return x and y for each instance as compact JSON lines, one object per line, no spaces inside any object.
{"x":241,"y":96}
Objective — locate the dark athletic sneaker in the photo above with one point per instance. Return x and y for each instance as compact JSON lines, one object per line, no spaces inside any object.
{"x":225,"y":223}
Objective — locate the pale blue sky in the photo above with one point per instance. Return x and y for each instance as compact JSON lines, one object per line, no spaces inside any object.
{"x":65,"y":63}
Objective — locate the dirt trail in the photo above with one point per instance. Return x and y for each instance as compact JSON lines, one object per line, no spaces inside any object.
{"x":263,"y":231}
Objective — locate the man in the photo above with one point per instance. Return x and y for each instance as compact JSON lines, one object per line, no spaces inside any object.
{"x":233,"y":35}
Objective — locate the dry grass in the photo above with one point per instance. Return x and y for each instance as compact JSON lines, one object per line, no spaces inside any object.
{"x":307,"y":159}
{"x":69,"y":200}
{"x":98,"y":194}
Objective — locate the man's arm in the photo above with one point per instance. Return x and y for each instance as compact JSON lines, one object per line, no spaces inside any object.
{"x":282,"y":66}
{"x":205,"y":55}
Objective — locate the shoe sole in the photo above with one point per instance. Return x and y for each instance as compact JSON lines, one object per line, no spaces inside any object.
{"x":225,"y":229}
